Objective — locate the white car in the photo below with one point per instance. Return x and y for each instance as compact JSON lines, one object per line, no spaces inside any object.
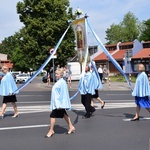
{"x":20,"y":78}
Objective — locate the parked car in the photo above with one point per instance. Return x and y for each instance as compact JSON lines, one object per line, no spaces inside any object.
{"x":44,"y":79}
{"x":20,"y":78}
{"x":15,"y":74}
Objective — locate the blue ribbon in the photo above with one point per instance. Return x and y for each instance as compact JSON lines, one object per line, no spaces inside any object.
{"x":44,"y":64}
{"x":99,"y":86}
{"x":109,"y":56}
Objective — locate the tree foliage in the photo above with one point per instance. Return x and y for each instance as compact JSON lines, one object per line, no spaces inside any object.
{"x":114,"y":34}
{"x":44,"y":23}
{"x":125,"y":31}
{"x":145,"y":33}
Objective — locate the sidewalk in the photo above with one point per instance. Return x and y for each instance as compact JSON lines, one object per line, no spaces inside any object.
{"x":112,"y":86}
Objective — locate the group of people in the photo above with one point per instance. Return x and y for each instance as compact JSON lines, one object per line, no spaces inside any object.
{"x":103,"y":73}
{"x":88,"y":87}
{"x":67,"y":74}
{"x":51,"y":74}
{"x":60,"y":101}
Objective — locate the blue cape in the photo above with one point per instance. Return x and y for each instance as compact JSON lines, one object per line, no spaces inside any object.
{"x":60,"y":95}
{"x":142,"y":87}
{"x":8,"y":85}
{"x":86,"y":84}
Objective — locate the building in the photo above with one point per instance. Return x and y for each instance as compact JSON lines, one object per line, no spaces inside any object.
{"x":5,"y":61}
{"x":127,"y":54}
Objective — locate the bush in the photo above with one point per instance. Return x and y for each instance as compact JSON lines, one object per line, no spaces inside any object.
{"x":121,"y":78}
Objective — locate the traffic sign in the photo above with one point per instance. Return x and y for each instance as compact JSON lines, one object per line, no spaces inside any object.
{"x":51,"y":51}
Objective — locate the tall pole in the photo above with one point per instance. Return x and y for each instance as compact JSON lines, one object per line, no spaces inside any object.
{"x":53,"y":71}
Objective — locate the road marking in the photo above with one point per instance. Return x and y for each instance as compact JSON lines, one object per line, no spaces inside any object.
{"x":46,"y":107}
{"x":33,"y":102}
{"x":28,"y":95}
{"x":24,"y":127}
{"x":107,"y":100}
{"x":117,"y":94}
{"x":144,"y":118}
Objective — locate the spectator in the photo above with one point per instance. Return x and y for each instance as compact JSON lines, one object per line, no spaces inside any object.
{"x":100,"y":71}
{"x":48,"y":79}
{"x":52,"y":76}
{"x":105,"y":74}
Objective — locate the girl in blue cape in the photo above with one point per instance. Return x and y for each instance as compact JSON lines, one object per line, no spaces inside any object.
{"x":97,"y":85}
{"x":7,"y":87}
{"x":87,"y":89}
{"x":141,"y":91}
{"x":60,"y":102}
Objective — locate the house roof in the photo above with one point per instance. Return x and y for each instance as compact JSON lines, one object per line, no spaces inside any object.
{"x":126,"y":43}
{"x":145,"y":42}
{"x":144,"y":53}
{"x":6,"y":62}
{"x":119,"y":55}
{"x":120,"y":44}
{"x":10,"y":65}
{"x":102,"y":56}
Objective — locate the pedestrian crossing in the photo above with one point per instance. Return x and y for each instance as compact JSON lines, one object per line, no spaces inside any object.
{"x":46,"y":107}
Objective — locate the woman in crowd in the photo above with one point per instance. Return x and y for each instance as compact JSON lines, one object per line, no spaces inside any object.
{"x":7,"y":87}
{"x":60,"y":102}
{"x":141,"y":92}
{"x":98,"y":85}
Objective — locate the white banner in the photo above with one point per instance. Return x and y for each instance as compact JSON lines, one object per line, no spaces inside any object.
{"x":79,"y":27}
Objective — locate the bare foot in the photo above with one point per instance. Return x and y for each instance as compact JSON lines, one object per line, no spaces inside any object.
{"x":72,"y":130}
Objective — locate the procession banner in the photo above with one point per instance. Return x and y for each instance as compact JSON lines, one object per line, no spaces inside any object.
{"x":80,"y":30}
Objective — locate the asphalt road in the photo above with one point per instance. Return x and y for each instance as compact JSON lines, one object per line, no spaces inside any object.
{"x":108,"y":129}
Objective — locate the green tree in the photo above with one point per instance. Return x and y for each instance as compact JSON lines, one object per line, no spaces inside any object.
{"x":14,"y":47}
{"x":130,"y":27}
{"x":114,"y":34}
{"x":126,"y":31}
{"x":145,"y":32}
{"x":44,"y":23}
{"x":8,"y":45}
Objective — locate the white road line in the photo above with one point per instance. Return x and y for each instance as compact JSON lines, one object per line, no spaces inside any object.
{"x":129,"y":119}
{"x":24,"y":127}
{"x":46,"y":108}
{"x":31,"y":102}
{"x":27,"y":95}
{"x":117,"y":94}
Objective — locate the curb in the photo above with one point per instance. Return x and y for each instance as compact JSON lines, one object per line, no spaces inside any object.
{"x":114,"y":87}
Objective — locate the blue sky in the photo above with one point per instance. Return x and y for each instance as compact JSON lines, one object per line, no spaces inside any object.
{"x":101,"y":14}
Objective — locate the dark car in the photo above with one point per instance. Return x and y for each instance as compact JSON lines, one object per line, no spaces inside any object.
{"x":44,"y":79}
